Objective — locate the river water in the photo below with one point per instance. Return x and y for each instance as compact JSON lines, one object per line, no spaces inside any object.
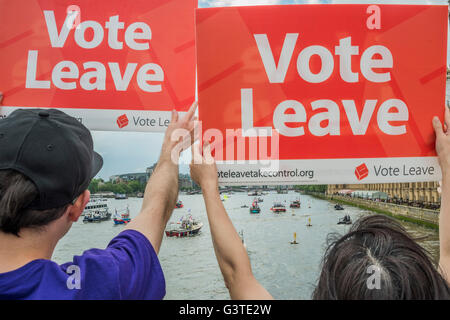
{"x":190,"y":267}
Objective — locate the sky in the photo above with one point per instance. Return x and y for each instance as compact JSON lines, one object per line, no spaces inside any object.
{"x":128,"y":152}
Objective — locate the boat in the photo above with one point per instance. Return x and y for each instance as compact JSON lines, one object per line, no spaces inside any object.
{"x":244,"y":206}
{"x":139,"y":195}
{"x":99,"y":197}
{"x":179,"y":204}
{"x":122,"y":218}
{"x":345,"y":220}
{"x":121,"y":196}
{"x":278,"y":207}
{"x":186,"y":227}
{"x":255,"y":208}
{"x":295,"y":204}
{"x":252,"y":193}
{"x":96,"y":210}
{"x":338,"y":207}
{"x":260,"y":200}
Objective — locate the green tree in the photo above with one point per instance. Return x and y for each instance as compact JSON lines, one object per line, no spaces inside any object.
{"x":93,"y":186}
{"x":313,"y":188}
{"x":135,"y":186}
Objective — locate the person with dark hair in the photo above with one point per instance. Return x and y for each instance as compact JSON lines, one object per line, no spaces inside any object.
{"x":378,"y":246}
{"x":377,"y":259}
{"x":46,"y":164}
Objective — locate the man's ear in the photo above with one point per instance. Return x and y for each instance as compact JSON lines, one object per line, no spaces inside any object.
{"x":78,"y":207}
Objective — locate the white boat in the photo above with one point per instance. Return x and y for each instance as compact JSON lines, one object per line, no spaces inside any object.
{"x":96,"y":210}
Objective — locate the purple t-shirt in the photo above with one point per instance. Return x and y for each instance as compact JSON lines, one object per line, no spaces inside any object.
{"x":127,"y":269}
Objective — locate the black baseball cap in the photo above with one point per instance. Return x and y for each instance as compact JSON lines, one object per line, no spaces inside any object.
{"x":52,"y":149}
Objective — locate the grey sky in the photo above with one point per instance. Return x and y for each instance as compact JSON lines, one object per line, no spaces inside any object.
{"x":126,"y":152}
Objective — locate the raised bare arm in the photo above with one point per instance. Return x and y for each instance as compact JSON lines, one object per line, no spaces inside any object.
{"x":230,"y":252}
{"x":162,"y":189}
{"x":443,"y":151}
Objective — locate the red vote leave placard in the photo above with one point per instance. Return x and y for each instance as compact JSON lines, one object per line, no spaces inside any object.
{"x":99,"y":59}
{"x":335,"y":85}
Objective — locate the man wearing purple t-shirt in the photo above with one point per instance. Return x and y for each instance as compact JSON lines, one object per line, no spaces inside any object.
{"x":46,"y":164}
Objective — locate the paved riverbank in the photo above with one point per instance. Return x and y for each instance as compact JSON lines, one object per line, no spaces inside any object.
{"x":425,"y":217}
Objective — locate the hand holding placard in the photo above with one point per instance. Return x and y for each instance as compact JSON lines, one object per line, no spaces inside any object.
{"x":443,"y":141}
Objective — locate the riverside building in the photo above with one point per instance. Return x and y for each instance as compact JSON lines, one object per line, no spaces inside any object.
{"x":421,"y":194}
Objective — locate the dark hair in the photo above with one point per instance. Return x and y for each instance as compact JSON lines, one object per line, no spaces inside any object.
{"x":405,"y":269}
{"x":17,"y":192}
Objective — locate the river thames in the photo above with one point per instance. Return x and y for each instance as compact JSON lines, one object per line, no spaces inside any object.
{"x":189,"y":264}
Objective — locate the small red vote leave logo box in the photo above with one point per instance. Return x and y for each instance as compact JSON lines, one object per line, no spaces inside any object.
{"x":122,"y":121}
{"x":361,"y":172}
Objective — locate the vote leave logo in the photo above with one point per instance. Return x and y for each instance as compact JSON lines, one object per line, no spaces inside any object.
{"x":361,"y":172}
{"x":122,"y":121}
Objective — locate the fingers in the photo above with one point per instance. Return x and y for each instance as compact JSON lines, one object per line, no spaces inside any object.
{"x":197,"y":157}
{"x":190,"y":114}
{"x":206,"y":149}
{"x":202,"y":155}
{"x":447,"y":118}
{"x":195,"y":132}
{"x":207,"y":155}
{"x":191,"y":133}
{"x":437,"y":125}
{"x":174,"y":116}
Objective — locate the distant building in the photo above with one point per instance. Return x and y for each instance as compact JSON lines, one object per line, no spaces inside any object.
{"x":417,"y":193}
{"x":115,"y":179}
{"x":184,"y":180}
{"x":128,"y":177}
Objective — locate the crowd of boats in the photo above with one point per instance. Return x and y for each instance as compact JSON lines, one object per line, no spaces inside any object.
{"x":97,"y":210}
{"x":279,"y":207}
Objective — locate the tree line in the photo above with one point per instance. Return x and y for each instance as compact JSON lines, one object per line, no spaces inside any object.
{"x":315,"y":188}
{"x":98,"y":185}
{"x":133,"y":187}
